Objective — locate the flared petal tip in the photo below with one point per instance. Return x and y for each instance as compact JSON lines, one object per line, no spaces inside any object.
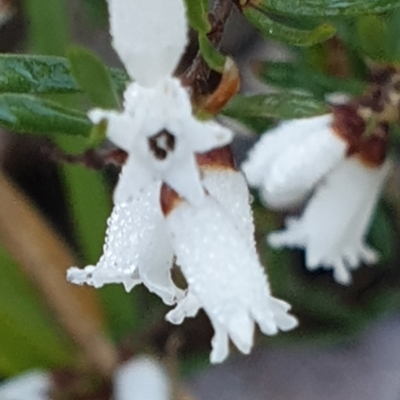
{"x":284,"y":321}
{"x":187,"y":307}
{"x":98,"y":277}
{"x":80,"y":276}
{"x":284,"y":238}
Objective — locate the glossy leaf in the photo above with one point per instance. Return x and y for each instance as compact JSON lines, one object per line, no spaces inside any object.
{"x":35,"y":74}
{"x":93,"y":77}
{"x":44,"y":75}
{"x":378,"y":37}
{"x":29,"y":114}
{"x":291,"y":76}
{"x":285,"y":105}
{"x":323,"y":8}
{"x":197,"y":15}
{"x":289,"y":35}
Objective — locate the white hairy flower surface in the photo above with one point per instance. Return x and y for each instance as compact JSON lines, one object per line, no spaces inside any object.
{"x":136,"y":250}
{"x":149,"y":37}
{"x":224,"y":277}
{"x":335,"y":222}
{"x":161,"y":136}
{"x":290,"y":160}
{"x":228,"y":186}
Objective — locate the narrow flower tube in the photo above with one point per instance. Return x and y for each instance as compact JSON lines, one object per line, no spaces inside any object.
{"x":136,"y":250}
{"x":290,"y":160}
{"x":224,"y":277}
{"x":334,"y":225}
{"x":148,"y":36}
{"x":228,"y":186}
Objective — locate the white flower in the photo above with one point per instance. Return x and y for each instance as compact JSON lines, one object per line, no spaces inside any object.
{"x":136,"y":249}
{"x":215,"y":249}
{"x":161,"y":136}
{"x":33,"y":385}
{"x":207,"y":223}
{"x":335,"y":222}
{"x":291,"y":159}
{"x":142,"y":378}
{"x":156,"y":127}
{"x":148,"y":36}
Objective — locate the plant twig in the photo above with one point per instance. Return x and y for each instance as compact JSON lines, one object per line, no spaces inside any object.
{"x":44,"y":257}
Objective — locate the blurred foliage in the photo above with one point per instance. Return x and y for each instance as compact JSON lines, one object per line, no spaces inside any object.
{"x":49,"y":93}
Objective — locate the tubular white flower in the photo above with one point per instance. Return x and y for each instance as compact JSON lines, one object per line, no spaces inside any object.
{"x":224,"y":277}
{"x":230,"y":189}
{"x":33,"y":385}
{"x":289,"y":161}
{"x":149,"y":36}
{"x":142,"y":378}
{"x":136,"y":250}
{"x":161,"y":135}
{"x":334,"y":224}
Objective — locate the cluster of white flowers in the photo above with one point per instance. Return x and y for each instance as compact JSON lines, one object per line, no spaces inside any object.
{"x":170,"y":206}
{"x":308,"y":159}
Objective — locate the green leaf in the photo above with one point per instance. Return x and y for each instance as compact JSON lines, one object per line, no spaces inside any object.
{"x":289,"y":35}
{"x":48,"y":31}
{"x":286,"y":105}
{"x":378,"y":37}
{"x":324,"y":8}
{"x":45,"y":75}
{"x":120,"y":79}
{"x":35,"y":74}
{"x":212,"y":56}
{"x":197,"y":15}
{"x":382,"y":233}
{"x":93,"y":77}
{"x":97,"y":10}
{"x":29,"y":114}
{"x":290,"y":75}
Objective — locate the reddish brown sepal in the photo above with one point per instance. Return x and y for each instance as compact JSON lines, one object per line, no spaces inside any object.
{"x":373,"y":150}
{"x":348,"y":125}
{"x":169,"y":199}
{"x":220,"y":158}
{"x":228,"y":86}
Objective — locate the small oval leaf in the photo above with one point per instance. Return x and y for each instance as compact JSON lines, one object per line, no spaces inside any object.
{"x":289,"y":35}
{"x":44,"y":75}
{"x":35,"y":74}
{"x":211,"y":55}
{"x":298,"y":76}
{"x":287,"y":105}
{"x":29,"y":114}
{"x":93,"y":77}
{"x":197,"y":15}
{"x":324,"y":8}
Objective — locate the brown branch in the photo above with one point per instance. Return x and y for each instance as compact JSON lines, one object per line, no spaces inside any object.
{"x":44,"y":257}
{"x":95,"y":159}
{"x":199,"y":71}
